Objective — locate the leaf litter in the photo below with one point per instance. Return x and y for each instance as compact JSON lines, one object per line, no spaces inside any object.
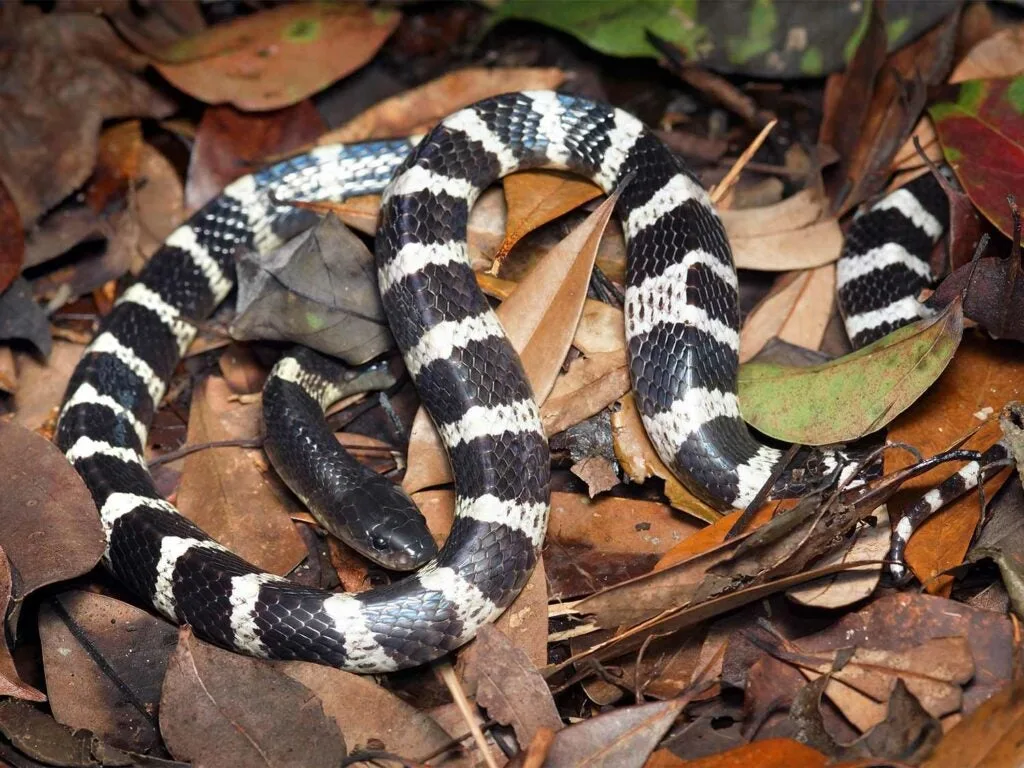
{"x":645,"y":621}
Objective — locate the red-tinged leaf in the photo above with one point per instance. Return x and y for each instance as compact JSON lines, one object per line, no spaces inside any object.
{"x":12,"y":239}
{"x":981,"y":128}
{"x":768,"y":753}
{"x":230,"y":144}
{"x":223,"y":709}
{"x":117,"y":164}
{"x":51,"y":531}
{"x":105,"y":662}
{"x":620,"y":738}
{"x":278,"y":57}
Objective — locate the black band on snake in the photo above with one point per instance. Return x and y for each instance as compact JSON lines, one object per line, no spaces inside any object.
{"x":682,"y":322}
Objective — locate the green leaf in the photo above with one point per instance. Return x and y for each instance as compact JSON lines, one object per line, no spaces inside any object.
{"x":853,"y":395}
{"x":981,"y":130}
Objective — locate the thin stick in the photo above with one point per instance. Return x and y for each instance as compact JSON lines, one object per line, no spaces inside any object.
{"x":730,"y":178}
{"x":447,"y":674}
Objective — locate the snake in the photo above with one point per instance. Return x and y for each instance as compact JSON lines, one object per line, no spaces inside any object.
{"x":682,"y":320}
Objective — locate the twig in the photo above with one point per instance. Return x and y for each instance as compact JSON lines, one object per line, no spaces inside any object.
{"x":185,"y":450}
{"x":727,"y":183}
{"x":447,"y":674}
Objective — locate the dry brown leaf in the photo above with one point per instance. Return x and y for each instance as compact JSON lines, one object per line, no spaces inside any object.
{"x":589,"y":386}
{"x":279,"y":56}
{"x":240,"y":503}
{"x":797,"y":310}
{"x":982,"y":377}
{"x":766,"y":753}
{"x":795,"y":212}
{"x":707,"y":538}
{"x":640,"y":461}
{"x":8,"y":371}
{"x":42,"y":384}
{"x":419,"y":109}
{"x":1001,"y":55}
{"x":540,"y":319}
{"x":811,"y":246}
{"x":536,"y":197}
{"x":991,"y":737}
{"x":10,"y":682}
{"x":907,"y":157}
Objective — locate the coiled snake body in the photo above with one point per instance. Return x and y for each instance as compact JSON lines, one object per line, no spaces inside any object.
{"x":681,"y":325}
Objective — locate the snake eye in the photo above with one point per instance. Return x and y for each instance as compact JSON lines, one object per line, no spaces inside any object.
{"x":379,"y":543}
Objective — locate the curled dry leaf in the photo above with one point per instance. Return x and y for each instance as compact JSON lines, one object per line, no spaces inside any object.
{"x":229,"y":492}
{"x":1000,"y":55}
{"x":10,"y":683}
{"x":105,"y":662}
{"x":51,"y":529}
{"x":278,"y":722}
{"x":230,"y":144}
{"x":797,"y":310}
{"x":590,"y":385}
{"x":277,"y":57}
{"x":620,"y":738}
{"x":369,"y":716}
{"x":540,"y":319}
{"x":420,"y":109}
{"x":510,"y":688}
{"x":851,"y":396}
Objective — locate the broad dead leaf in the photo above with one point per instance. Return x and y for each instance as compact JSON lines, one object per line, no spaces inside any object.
{"x":766,"y":753}
{"x":105,"y":662}
{"x":277,"y":57}
{"x":229,"y":492}
{"x":11,"y":683}
{"x":419,"y":109}
{"x":540,"y":319}
{"x":991,"y":737}
{"x":278,"y":722}
{"x":797,"y":310}
{"x":589,"y":386}
{"x":1000,"y":55}
{"x":42,"y":384}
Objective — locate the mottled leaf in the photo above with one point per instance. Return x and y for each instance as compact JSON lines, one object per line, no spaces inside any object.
{"x":853,"y":395}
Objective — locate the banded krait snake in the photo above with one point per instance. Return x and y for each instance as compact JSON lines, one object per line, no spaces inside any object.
{"x":682,"y":321}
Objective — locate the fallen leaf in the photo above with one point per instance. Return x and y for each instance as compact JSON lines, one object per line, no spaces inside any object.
{"x":540,"y":320}
{"x":278,"y":722}
{"x":992,"y":736}
{"x":590,"y":385}
{"x":797,"y":310}
{"x":12,"y":239}
{"x":536,"y":197}
{"x":597,"y":472}
{"x":640,"y":461}
{"x":11,"y":683}
{"x":1001,"y":541}
{"x":51,"y":529}
{"x":279,"y":56}
{"x":794,"y":213}
{"x":318,"y":290}
{"x":511,"y":689}
{"x":713,"y":535}
{"x":764,"y":753}
{"x":156,"y":30}
{"x":1000,"y":55}
{"x":983,"y":376}
{"x":42,"y":384}
{"x":230,"y":144}
{"x":370,"y":716}
{"x":117,"y":164}
{"x":811,"y":246}
{"x":621,"y":738}
{"x":8,"y":371}
{"x":992,"y":288}
{"x":849,"y":397}
{"x":241,"y":369}
{"x":105,"y":662}
{"x":419,"y":109}
{"x":226,"y":493}
{"x":980,"y":129}
{"x":22,"y":319}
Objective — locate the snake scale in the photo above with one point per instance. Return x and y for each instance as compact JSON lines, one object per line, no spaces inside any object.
{"x":682,"y":320}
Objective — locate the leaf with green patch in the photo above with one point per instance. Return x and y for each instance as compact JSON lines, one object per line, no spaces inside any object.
{"x":851,"y":396}
{"x":981,"y":130}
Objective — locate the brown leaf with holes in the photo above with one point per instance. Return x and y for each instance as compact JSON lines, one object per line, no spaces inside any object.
{"x":540,"y":319}
{"x":982,"y":377}
{"x":278,"y":722}
{"x":420,"y":109}
{"x":230,"y":143}
{"x":277,"y":57}
{"x":510,"y":688}
{"x":797,"y":310}
{"x":536,"y":197}
{"x":51,"y":529}
{"x":230,"y":492}
{"x":105,"y":662}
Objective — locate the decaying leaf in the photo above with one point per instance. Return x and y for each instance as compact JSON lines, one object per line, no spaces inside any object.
{"x":765,"y":753}
{"x":229,"y":492}
{"x":51,"y":529}
{"x":319,"y":290}
{"x":12,"y":239}
{"x":851,"y":396}
{"x":22,"y":319}
{"x":10,"y":683}
{"x":105,"y":662}
{"x":992,"y":736}
{"x":279,"y":56}
{"x":797,"y":310}
{"x":279,"y":721}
